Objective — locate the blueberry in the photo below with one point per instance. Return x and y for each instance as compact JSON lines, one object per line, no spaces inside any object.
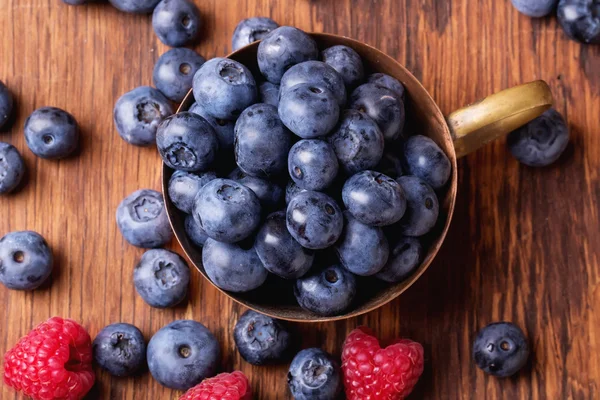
{"x":231,"y":267}
{"x":161,"y":278}
{"x":388,"y":82}
{"x":501,"y":349}
{"x":357,"y":141}
{"x":383,"y":106}
{"x":268,"y":192}
{"x":541,"y":141}
{"x":283,"y":48}
{"x":535,"y":8}
{"x":261,"y":142}
{"x":250,"y":30}
{"x":227,"y":210}
{"x":346,"y":62}
{"x":314,"y":219}
{"x":423,"y":158}
{"x":142,"y":219}
{"x":6,"y":104}
{"x":25,"y":260}
{"x":194,"y":231}
{"x":261,"y":339}
{"x":279,"y":252}
{"x":187,"y":142}
{"x":176,"y":22}
{"x":182,"y":354}
{"x":390,"y":165}
{"x":51,"y":133}
{"x":422,"y":206}
{"x":224,"y":88}
{"x":580,"y":19}
{"x":292,"y":190}
{"x":137,"y":114}
{"x":223,"y":128}
{"x":374,"y":198}
{"x":327,"y":292}
{"x":184,"y":186}
{"x":120,"y":349}
{"x":135,"y":6}
{"x":308,"y":110}
{"x":362,"y":249}
{"x":315,"y":73}
{"x":312,"y":164}
{"x":314,"y":375}
{"x":269,"y":93}
{"x":12,"y":168}
{"x":174,"y":72}
{"x":406,"y":254}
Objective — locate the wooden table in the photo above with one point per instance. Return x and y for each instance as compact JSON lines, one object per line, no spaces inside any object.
{"x":524,"y":245}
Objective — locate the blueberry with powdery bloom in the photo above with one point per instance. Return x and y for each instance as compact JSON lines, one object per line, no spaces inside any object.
{"x":223,"y":128}
{"x":346,"y":62}
{"x":269,"y":93}
{"x":312,"y":164}
{"x":261,"y":339}
{"x":161,"y":278}
{"x":327,"y":292}
{"x":174,"y":72}
{"x":383,"y":106}
{"x":250,"y":30}
{"x":405,"y":257}
{"x":6,"y":104}
{"x":120,"y":349}
{"x":423,"y":158}
{"x":135,"y":6}
{"x":388,"y":82}
{"x":501,"y":349}
{"x":176,"y":22}
{"x":315,"y":73}
{"x":580,"y":19}
{"x":314,"y":375}
{"x":422,"y":207}
{"x":194,"y":231}
{"x":535,"y":8}
{"x":184,"y":186}
{"x":12,"y":168}
{"x":26,"y":260}
{"x":51,"y":133}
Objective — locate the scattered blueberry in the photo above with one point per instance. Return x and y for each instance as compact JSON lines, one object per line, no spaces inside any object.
{"x":268,"y":192}
{"x":174,"y":72}
{"x":227,"y":210}
{"x":161,"y":278}
{"x":224,"y":88}
{"x":346,"y":62}
{"x":231,"y":267}
{"x":314,"y":219}
{"x":422,"y":206}
{"x":25,"y":260}
{"x":261,"y":142}
{"x":541,"y":141}
{"x":374,"y":198}
{"x":423,"y":158}
{"x":223,"y":128}
{"x":120,"y":349}
{"x":279,"y":252}
{"x":283,"y":48}
{"x":362,"y":249}
{"x":261,"y":339}
{"x":176,"y":22}
{"x":182,"y":354}
{"x":312,"y":164}
{"x":187,"y":142}
{"x":580,"y":19}
{"x":142,"y":219}
{"x":535,"y":8}
{"x":194,"y":231}
{"x":406,"y":254}
{"x":388,"y":82}
{"x":383,"y":106}
{"x":501,"y":349}
{"x":390,"y":165}
{"x":184,"y":186}
{"x":6,"y":104}
{"x":315,"y":73}
{"x":291,"y":190}
{"x":137,"y":114}
{"x":314,"y":375}
{"x":357,"y":141}
{"x":51,"y":133}
{"x":308,"y":110}
{"x":12,"y":168}
{"x":269,"y":93}
{"x":250,"y":30}
{"x":135,"y":6}
{"x":326,"y":292}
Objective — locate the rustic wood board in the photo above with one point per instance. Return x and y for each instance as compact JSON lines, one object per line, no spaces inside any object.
{"x":524,"y":245}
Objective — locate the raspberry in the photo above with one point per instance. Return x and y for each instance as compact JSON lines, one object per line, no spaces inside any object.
{"x":233,"y":386}
{"x":373,"y":373}
{"x":54,"y":361}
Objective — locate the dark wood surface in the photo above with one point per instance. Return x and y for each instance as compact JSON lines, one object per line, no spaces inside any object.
{"x":524,"y":245}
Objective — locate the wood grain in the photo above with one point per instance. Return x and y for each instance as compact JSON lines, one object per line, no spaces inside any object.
{"x":524,"y":244}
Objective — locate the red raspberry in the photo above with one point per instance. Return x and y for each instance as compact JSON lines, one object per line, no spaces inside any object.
{"x":54,"y":361}
{"x":233,"y":386}
{"x":373,"y":373}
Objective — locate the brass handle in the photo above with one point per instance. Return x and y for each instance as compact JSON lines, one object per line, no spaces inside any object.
{"x":496,"y":115}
